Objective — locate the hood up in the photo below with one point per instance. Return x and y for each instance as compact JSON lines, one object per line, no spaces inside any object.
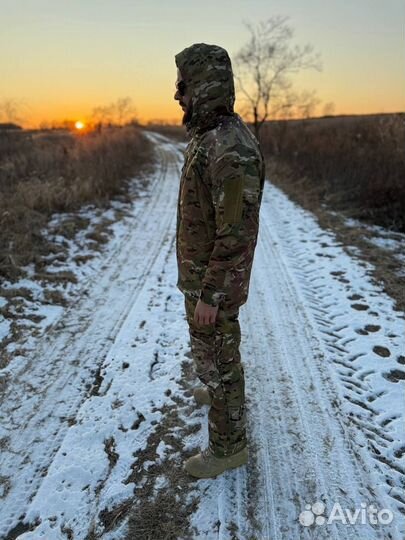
{"x":207,"y":70}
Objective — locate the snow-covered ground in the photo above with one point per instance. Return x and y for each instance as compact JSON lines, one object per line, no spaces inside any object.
{"x":391,"y":241}
{"x":106,"y":387}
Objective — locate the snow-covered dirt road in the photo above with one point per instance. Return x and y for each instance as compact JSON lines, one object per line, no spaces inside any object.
{"x":97,"y":421}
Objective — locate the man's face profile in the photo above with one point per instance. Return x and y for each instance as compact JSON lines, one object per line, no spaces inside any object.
{"x":183,"y":96}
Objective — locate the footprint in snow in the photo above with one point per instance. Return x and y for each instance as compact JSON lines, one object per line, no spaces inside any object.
{"x":355,"y":297}
{"x":360,"y":307}
{"x":395,"y":375}
{"x":367,"y":329}
{"x":381,"y":351}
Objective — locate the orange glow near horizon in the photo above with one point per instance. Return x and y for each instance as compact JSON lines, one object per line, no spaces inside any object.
{"x":160,"y":108}
{"x":57,"y":65}
{"x":170,"y":116}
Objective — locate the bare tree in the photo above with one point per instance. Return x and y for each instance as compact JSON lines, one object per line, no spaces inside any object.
{"x":119,"y":112}
{"x":125,"y":110}
{"x":329,"y":109}
{"x":264,"y":67}
{"x":102,"y":115}
{"x":10,"y":111}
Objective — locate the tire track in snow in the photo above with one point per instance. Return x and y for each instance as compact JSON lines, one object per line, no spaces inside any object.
{"x":355,"y":321}
{"x":305,"y":469}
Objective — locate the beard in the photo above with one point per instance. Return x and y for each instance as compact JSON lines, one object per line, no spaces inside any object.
{"x":188,"y":113}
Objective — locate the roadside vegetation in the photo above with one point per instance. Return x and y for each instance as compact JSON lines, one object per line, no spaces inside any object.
{"x":350,"y":172}
{"x":43,"y":172}
{"x":60,"y":193}
{"x":174,"y":131}
{"x":353,"y":164}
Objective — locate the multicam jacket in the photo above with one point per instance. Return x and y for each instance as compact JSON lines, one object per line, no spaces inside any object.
{"x":221,"y":184}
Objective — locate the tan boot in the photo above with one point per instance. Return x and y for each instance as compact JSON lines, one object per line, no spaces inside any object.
{"x":206,"y":465}
{"x":202,"y":396}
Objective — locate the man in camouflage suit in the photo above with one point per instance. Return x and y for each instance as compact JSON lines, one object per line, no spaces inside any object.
{"x":220,"y":192}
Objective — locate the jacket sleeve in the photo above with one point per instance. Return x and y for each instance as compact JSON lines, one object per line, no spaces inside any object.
{"x":235,"y":190}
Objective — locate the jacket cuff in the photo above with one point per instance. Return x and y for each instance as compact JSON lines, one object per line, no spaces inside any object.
{"x":209,"y":296}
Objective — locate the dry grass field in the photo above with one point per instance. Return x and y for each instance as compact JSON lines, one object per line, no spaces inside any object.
{"x":350,"y":172}
{"x":354,"y":164}
{"x":42,"y":172}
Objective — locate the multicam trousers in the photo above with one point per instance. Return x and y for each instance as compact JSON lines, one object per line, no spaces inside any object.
{"x":216,"y":358}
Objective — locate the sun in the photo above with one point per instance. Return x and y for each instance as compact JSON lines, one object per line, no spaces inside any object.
{"x":79,"y":125}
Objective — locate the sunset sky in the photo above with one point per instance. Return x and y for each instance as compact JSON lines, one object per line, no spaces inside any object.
{"x":61,"y":58}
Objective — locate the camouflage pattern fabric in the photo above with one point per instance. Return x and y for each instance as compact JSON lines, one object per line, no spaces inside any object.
{"x":207,"y":70}
{"x":221,"y":185}
{"x":220,"y":192}
{"x":217,"y":361}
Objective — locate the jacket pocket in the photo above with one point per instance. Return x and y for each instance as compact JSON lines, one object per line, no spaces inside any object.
{"x":233,"y":199}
